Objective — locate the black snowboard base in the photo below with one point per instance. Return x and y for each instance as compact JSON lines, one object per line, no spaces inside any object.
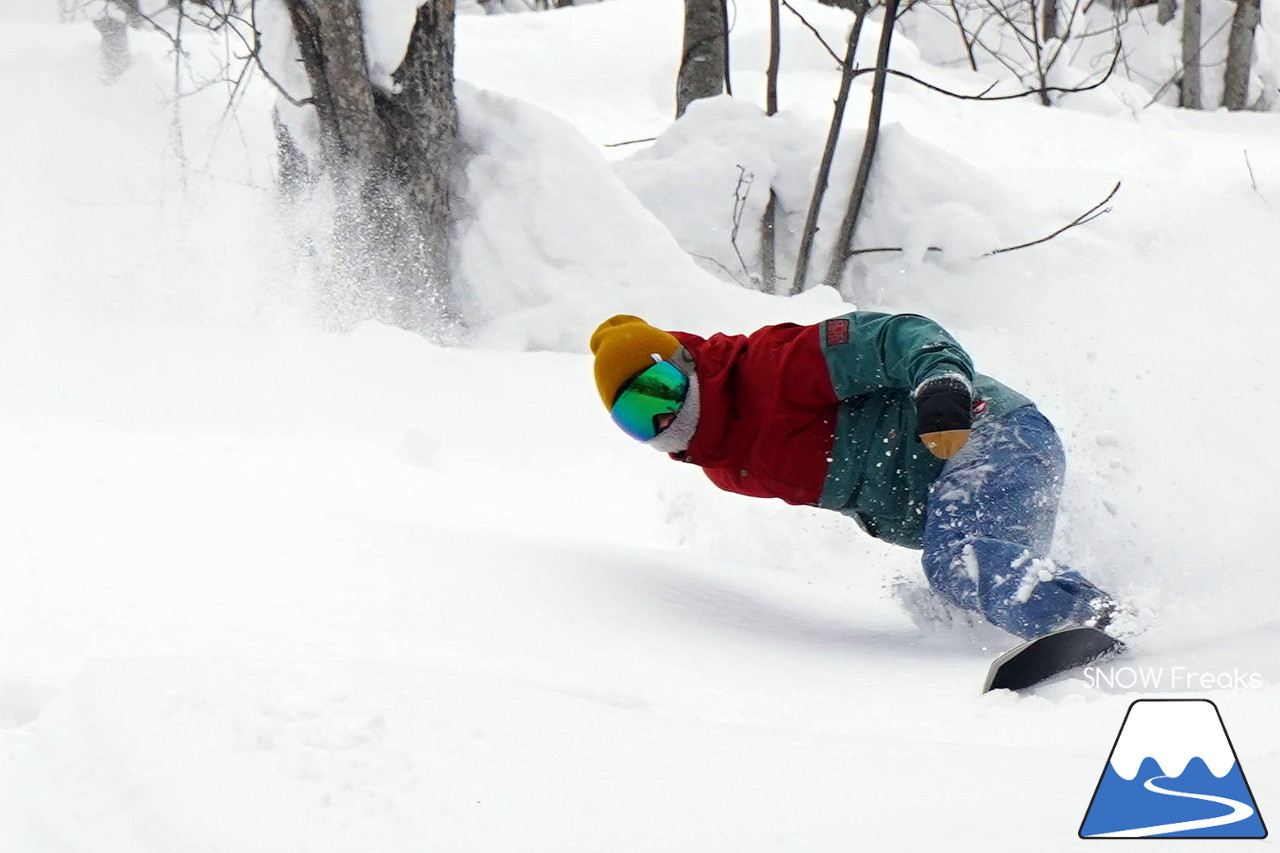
{"x":1043,"y":657}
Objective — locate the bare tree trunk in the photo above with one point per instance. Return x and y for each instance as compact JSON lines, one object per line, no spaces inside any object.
{"x":702,"y":64}
{"x":775,"y":57}
{"x":423,"y":120}
{"x":390,"y":157}
{"x":176,"y":126}
{"x":828,"y":155}
{"x":114,"y":47}
{"x":1038,"y":40}
{"x":332,"y":47}
{"x":1240,"y":54}
{"x":724,"y":28}
{"x":1049,"y":22}
{"x":769,"y":245}
{"x":1165,"y":11}
{"x":848,"y":228}
{"x":1190,"y":97}
{"x":768,"y":237}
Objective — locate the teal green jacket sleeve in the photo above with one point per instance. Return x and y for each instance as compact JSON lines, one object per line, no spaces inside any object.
{"x":868,"y":352}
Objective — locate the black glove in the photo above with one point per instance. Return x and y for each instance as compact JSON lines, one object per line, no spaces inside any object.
{"x":944,"y":414}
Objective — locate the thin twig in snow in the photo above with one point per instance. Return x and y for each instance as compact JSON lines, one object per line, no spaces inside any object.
{"x":1083,"y":219}
{"x":630,"y":142}
{"x":728,"y":272}
{"x":1088,"y":216}
{"x":745,"y":179}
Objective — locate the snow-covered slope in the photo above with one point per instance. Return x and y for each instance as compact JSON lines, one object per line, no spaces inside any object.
{"x":265,"y":587}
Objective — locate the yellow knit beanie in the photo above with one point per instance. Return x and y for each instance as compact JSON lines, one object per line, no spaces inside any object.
{"x":624,"y":346}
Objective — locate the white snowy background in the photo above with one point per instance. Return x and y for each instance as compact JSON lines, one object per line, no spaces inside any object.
{"x":267,"y":587}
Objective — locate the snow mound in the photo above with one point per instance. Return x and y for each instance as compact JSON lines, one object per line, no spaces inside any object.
{"x":549,"y":235}
{"x":716,"y":165}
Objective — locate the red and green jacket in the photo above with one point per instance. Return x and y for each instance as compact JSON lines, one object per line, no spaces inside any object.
{"x":822,"y":415}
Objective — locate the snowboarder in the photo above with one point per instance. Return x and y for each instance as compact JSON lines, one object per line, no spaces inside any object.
{"x":880,"y":417}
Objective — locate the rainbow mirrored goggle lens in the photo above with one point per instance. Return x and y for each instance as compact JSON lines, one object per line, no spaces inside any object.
{"x":658,"y":390}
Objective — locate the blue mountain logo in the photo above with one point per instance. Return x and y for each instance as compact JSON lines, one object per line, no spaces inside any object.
{"x":1173,"y":773}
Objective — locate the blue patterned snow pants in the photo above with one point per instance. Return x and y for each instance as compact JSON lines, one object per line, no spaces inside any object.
{"x":990,"y":519}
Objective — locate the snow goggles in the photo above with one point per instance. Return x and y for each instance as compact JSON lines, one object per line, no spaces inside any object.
{"x":655,"y":391}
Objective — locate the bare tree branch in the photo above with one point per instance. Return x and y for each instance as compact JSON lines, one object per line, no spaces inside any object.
{"x":740,"y":193}
{"x":1252,"y":179}
{"x":1008,"y":21}
{"x":630,"y":142}
{"x":876,"y":250}
{"x":983,"y":96}
{"x":155,"y":25}
{"x":1085,"y":218}
{"x":812,"y":29}
{"x":728,"y":272}
{"x":964,"y":36}
{"x":1088,"y":216}
{"x":255,"y":53}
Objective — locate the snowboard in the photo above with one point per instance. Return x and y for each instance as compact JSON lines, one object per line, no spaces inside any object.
{"x":1044,"y":657}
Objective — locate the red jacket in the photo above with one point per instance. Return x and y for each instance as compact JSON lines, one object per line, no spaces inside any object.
{"x":768,"y":412}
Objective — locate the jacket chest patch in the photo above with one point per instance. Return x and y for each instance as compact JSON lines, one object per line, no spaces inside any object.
{"x":837,"y":332}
